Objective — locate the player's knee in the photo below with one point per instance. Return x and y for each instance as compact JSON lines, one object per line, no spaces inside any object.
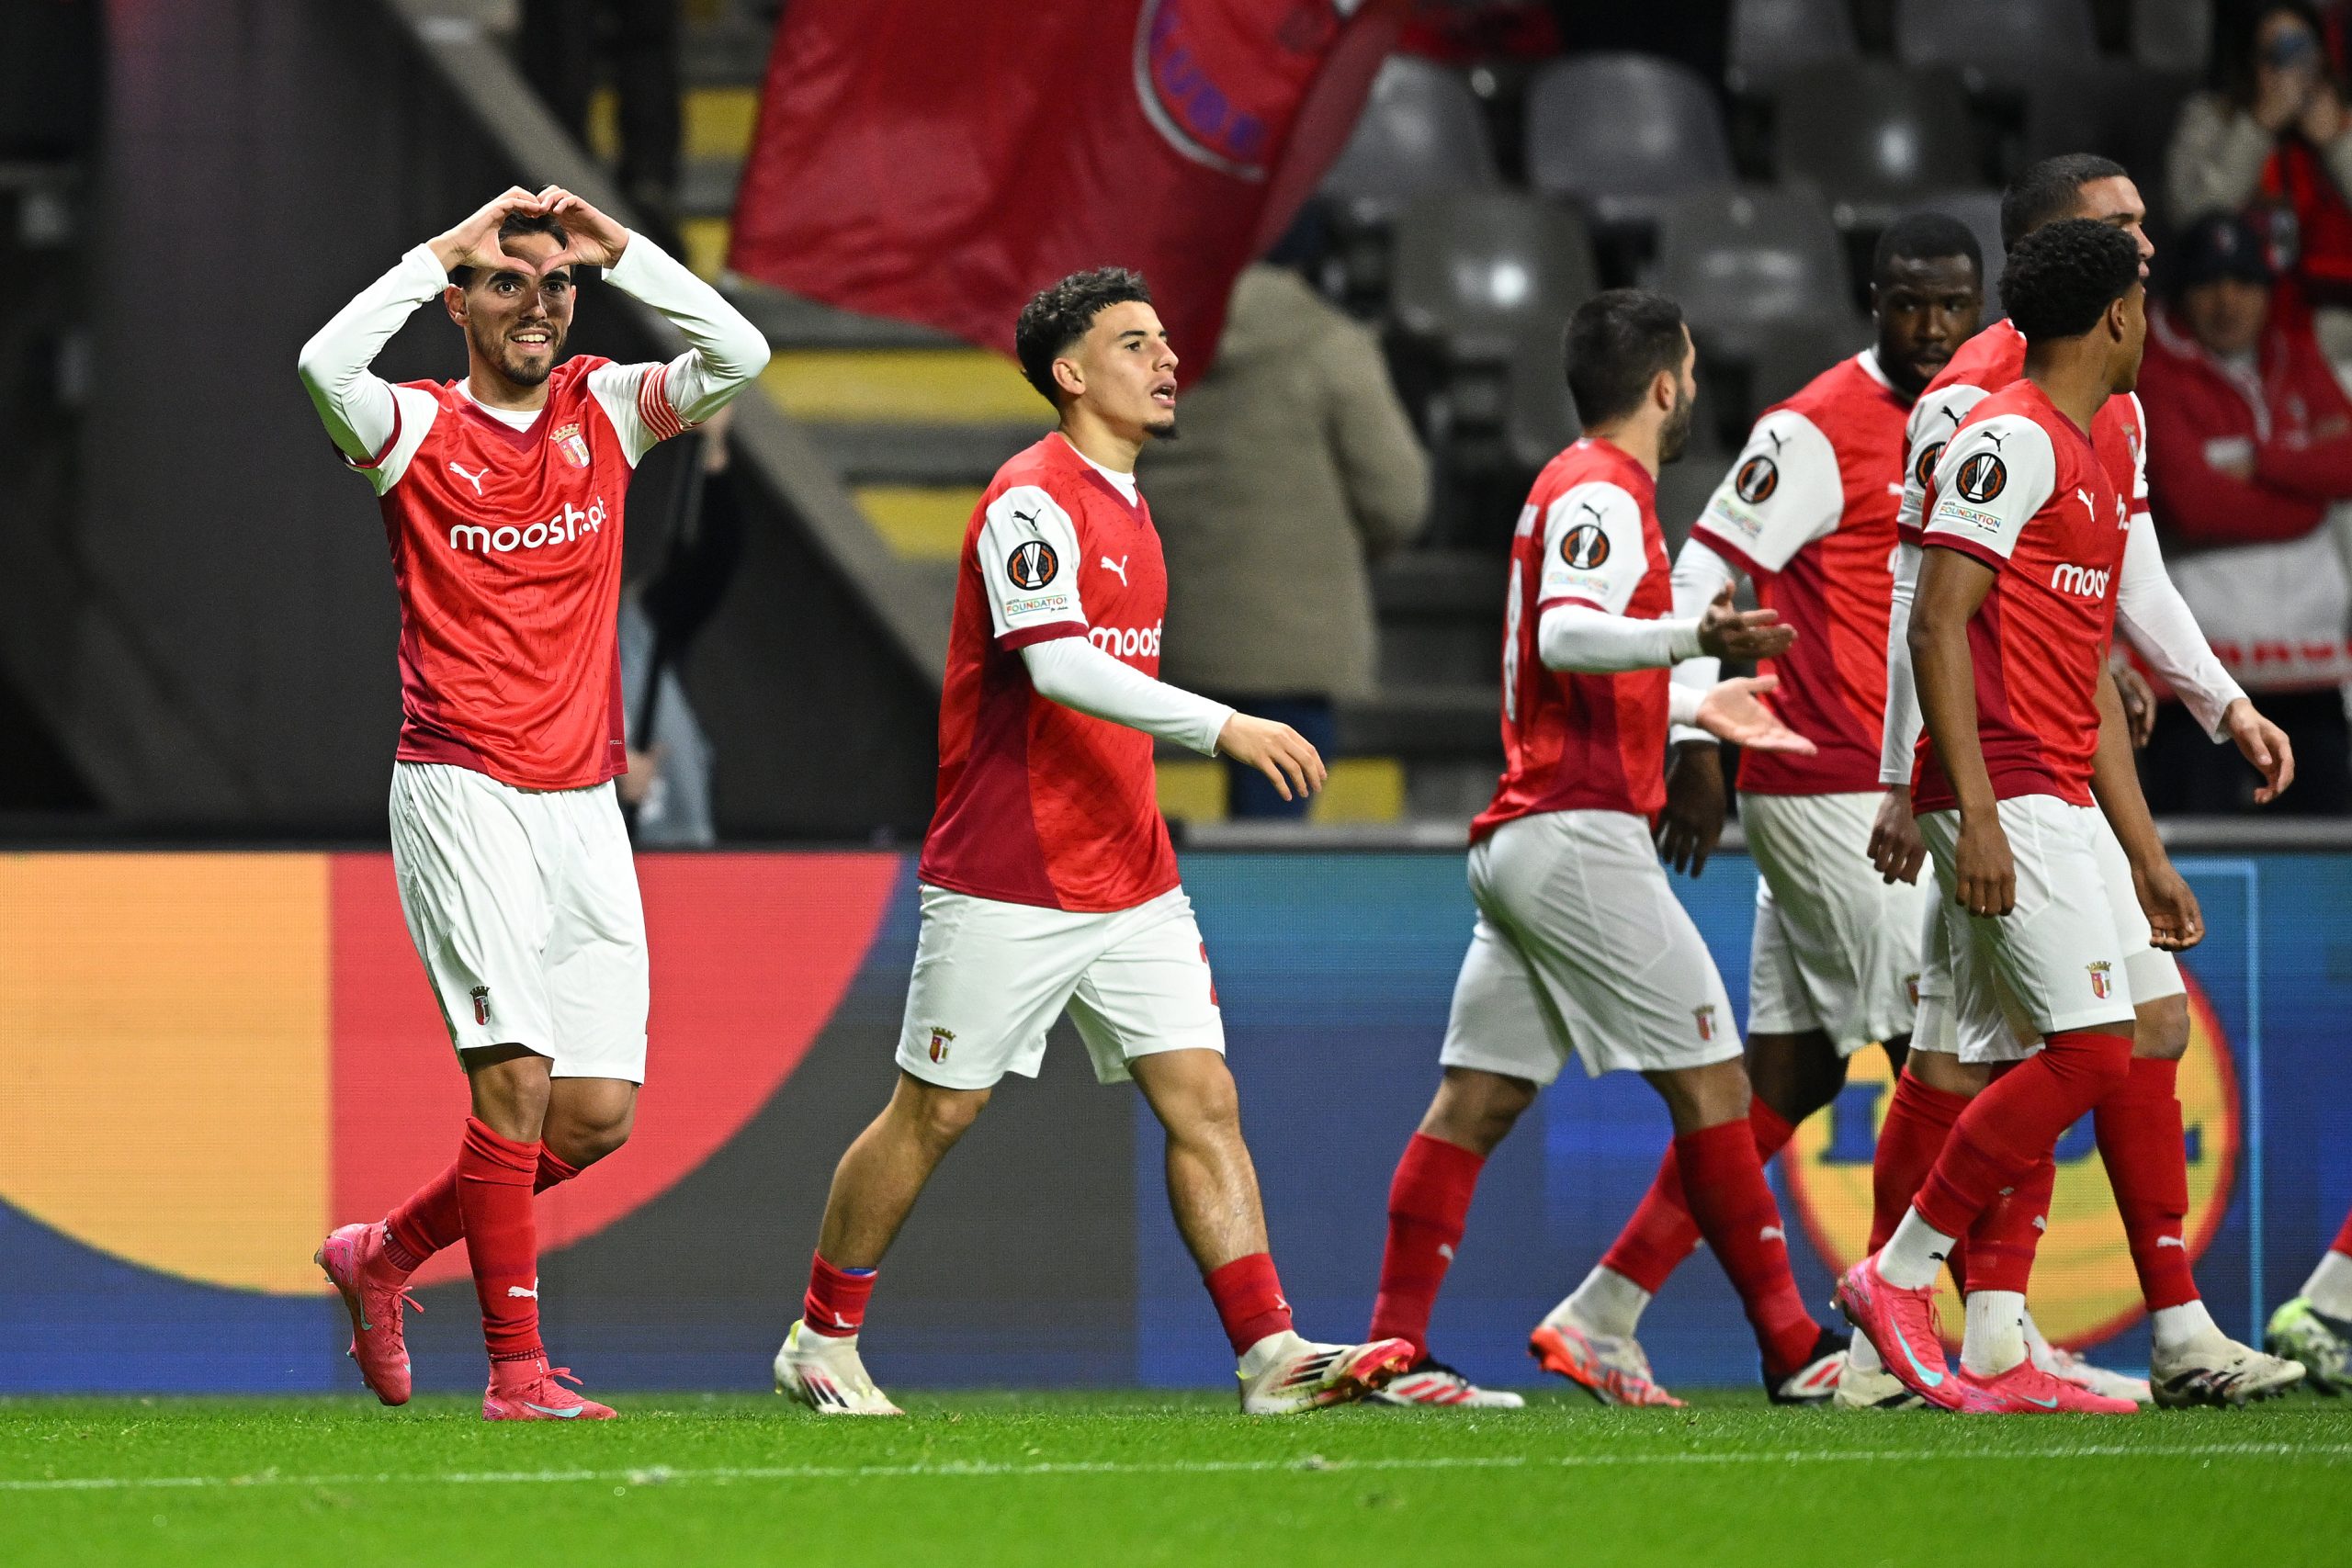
{"x":2160,"y":1029}
{"x":940,"y":1116}
{"x":1475,"y":1110}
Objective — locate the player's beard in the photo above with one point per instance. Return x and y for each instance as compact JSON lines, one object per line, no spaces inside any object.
{"x":1162,"y":429}
{"x":1676,"y":432}
{"x":520,"y":371}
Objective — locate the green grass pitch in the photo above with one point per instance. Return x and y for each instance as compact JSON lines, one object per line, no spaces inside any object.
{"x":1076,"y":1480}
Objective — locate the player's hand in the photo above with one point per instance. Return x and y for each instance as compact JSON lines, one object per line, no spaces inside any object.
{"x":1987,"y":873}
{"x":2175,"y":922}
{"x":1896,"y":849}
{"x":474,"y":242}
{"x":1734,"y":710}
{"x":2139,"y":703}
{"x":1692,"y":821}
{"x":1728,"y":633}
{"x":2265,"y":745}
{"x":1277,"y":751}
{"x":594,"y":239}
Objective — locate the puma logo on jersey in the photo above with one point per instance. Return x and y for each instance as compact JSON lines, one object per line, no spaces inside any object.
{"x":2083,"y":496}
{"x":2081,"y":581}
{"x":1119,"y":565}
{"x":468,"y":475}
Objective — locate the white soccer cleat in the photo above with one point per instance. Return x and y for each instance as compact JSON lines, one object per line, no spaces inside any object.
{"x":2217,"y":1369}
{"x":826,"y":1375}
{"x":1609,"y":1367}
{"x":1431,"y":1381}
{"x":2067,"y":1367}
{"x":1285,"y":1374}
{"x":1873,"y":1388}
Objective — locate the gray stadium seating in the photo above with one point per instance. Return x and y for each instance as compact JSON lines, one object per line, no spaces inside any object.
{"x":1772,"y":37}
{"x":1745,"y":259}
{"x":1995,"y":43}
{"x":1623,"y":134}
{"x":1788,"y":357}
{"x":1421,"y":131}
{"x":2112,"y":107}
{"x":2173,"y":35}
{"x":1981,"y":210}
{"x":1870,"y":136}
{"x":1542,"y":417}
{"x":1473,"y":273}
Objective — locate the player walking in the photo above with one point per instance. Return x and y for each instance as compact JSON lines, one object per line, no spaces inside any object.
{"x":1581,"y":945}
{"x":1047,"y":879}
{"x":501,"y":497}
{"x":1807,"y":512}
{"x":2138,"y":1127}
{"x":2009,"y":633}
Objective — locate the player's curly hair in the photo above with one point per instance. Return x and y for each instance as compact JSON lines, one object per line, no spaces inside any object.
{"x":514,"y":226}
{"x":1617,"y":343}
{"x":1058,"y":315}
{"x":2050,"y":190}
{"x":2062,"y":278}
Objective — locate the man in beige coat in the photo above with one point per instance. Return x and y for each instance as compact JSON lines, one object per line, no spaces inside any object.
{"x":1299,"y":468}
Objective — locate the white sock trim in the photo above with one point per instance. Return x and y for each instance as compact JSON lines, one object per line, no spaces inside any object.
{"x":1915,"y":1255}
{"x":1607,"y":1303}
{"x":1994,"y":1339}
{"x":2329,"y":1289}
{"x":2178,"y":1327}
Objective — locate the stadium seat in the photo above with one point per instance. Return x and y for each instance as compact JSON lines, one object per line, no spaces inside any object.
{"x":1870,"y":136}
{"x":1421,"y":131}
{"x":1748,"y":258}
{"x":1475,"y":272}
{"x":1788,"y":357}
{"x":2123,"y":110}
{"x":2174,"y":36}
{"x":1981,"y":210}
{"x":1769,"y":38}
{"x":1623,"y":134}
{"x":1542,"y":418}
{"x":1995,"y":43}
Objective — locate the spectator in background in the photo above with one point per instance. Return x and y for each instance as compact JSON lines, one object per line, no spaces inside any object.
{"x":564,"y":47}
{"x":1299,"y":466}
{"x":2249,"y":474}
{"x":2273,"y":133}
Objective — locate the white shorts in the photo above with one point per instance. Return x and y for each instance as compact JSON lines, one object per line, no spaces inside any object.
{"x":990,"y":977}
{"x":2056,"y":961}
{"x":1836,"y":945}
{"x":1990,"y":1034}
{"x":523,"y":905}
{"x":1581,"y":946}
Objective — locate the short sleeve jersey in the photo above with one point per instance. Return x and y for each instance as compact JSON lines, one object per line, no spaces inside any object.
{"x":2023,"y":489}
{"x":1040,"y":804}
{"x":507,"y":554}
{"x":1588,"y":535}
{"x":1808,"y":512}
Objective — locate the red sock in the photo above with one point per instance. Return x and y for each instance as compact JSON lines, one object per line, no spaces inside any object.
{"x":431,"y":1219}
{"x":1248,"y":1300}
{"x":1662,"y":1233}
{"x":1735,"y":1212}
{"x":1428,"y":1200}
{"x":494,"y":1178}
{"x":1918,"y":1121}
{"x":835,"y":1305}
{"x":2001,"y":1244}
{"x":2146,"y":1153}
{"x":2343,"y":1236}
{"x":2014,"y":1125}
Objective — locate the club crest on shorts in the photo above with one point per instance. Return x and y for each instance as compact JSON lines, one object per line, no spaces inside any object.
{"x":2099,"y":982}
{"x":1757,"y":480}
{"x":573,"y":445}
{"x":1980,"y":478}
{"x":940,"y":1041}
{"x":1031,"y":564}
{"x":1705,"y":1018}
{"x":482,"y":1004}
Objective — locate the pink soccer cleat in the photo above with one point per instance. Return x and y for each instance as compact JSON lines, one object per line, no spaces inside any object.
{"x":529,"y":1390}
{"x":373,"y":1292}
{"x":1902,"y":1326}
{"x":1609,"y":1367}
{"x":2026,"y":1390}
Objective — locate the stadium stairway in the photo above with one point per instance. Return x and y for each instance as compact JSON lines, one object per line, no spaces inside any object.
{"x":914,"y":423}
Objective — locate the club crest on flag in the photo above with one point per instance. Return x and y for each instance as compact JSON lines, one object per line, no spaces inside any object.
{"x":573,"y":445}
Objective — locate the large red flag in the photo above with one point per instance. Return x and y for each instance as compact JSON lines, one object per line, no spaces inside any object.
{"x":940,"y":161}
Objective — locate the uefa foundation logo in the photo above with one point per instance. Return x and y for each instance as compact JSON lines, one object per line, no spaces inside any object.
{"x":2084,"y":1285}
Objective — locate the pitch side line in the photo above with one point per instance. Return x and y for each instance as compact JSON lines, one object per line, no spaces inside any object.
{"x":657,"y":1475}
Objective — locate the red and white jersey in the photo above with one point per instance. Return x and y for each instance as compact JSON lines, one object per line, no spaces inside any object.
{"x":1992,"y":360}
{"x":507,"y":553}
{"x":1038,"y":803}
{"x":2023,"y":489}
{"x":1808,"y":512}
{"x":1589,"y":535}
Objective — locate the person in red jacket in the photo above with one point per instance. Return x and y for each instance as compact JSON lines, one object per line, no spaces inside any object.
{"x":2249,"y":476}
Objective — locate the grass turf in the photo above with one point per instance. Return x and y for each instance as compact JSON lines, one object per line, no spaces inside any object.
{"x":1150,"y":1478}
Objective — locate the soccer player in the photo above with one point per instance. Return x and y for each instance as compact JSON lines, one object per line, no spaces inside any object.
{"x":1807,"y":512}
{"x":1048,"y":880}
{"x":501,"y":497}
{"x":2139,"y":1128}
{"x":1580,"y":946}
{"x":2009,"y":629}
{"x":2315,"y":1328}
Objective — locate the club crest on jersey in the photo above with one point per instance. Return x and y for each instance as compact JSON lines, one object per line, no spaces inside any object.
{"x":1031,"y":564}
{"x":1982,"y":477}
{"x":482,"y":1004}
{"x":573,"y":445}
{"x":1705,"y":1018}
{"x":1585,"y":547}
{"x":2101,"y":986}
{"x":1757,"y":480}
{"x":940,"y":1040}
